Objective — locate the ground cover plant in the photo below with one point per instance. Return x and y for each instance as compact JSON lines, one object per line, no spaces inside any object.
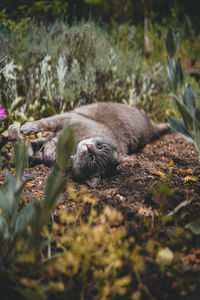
{"x":52,"y":69}
{"x":126,"y":239}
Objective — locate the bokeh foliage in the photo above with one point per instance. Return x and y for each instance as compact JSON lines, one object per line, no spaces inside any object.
{"x":48,"y":70}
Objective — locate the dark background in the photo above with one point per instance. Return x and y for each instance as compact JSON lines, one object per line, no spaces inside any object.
{"x":107,"y":11}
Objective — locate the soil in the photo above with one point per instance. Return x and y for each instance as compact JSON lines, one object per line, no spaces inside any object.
{"x":136,"y":188}
{"x":150,"y":185}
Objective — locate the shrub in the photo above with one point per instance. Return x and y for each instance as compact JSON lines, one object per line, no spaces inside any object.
{"x":22,"y":243}
{"x":55,"y":68}
{"x":188,"y":103}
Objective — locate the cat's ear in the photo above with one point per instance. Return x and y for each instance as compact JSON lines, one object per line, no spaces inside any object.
{"x":93,"y":182}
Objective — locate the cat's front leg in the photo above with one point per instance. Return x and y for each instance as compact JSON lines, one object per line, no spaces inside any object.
{"x":31,"y":128}
{"x":54,"y":123}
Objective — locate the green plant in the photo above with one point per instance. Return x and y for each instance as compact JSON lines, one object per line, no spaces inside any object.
{"x":9,"y":74}
{"x":188,"y":103}
{"x":56,"y":68}
{"x":22,"y":243}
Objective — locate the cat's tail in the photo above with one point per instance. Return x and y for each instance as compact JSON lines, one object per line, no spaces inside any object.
{"x":161,"y":129}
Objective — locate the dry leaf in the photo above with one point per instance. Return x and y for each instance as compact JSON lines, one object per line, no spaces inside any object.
{"x":190,"y":178}
{"x":158,"y":173}
{"x":189,"y":171}
{"x":29,"y":185}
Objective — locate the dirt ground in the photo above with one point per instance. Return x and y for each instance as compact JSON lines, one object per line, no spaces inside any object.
{"x":134,"y":189}
{"x":153,"y":182}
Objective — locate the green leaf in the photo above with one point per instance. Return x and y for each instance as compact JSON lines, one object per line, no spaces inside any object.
{"x":21,"y":160}
{"x":197,"y":140}
{"x":53,"y":193}
{"x":171,"y":42}
{"x":179,"y":127}
{"x":171,"y":71}
{"x":181,"y":205}
{"x":185,"y":113}
{"x":25,"y":218}
{"x":4,"y":231}
{"x":179,"y":73}
{"x":189,"y":100}
{"x":16,"y":103}
{"x":194,"y":227}
{"x":197,"y":115}
{"x":8,"y":203}
{"x":65,"y":148}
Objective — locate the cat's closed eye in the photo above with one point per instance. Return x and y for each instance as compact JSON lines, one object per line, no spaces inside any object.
{"x":101,"y":146}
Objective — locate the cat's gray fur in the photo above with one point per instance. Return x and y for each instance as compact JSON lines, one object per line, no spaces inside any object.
{"x":103,"y":132}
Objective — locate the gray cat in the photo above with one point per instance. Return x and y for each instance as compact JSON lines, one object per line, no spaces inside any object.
{"x":105,"y":134}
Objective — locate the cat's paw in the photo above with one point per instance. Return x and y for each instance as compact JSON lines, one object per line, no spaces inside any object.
{"x":13,"y":132}
{"x":29,"y":128}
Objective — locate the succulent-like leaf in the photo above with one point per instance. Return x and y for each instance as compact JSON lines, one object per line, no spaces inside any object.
{"x":197,"y":115}
{"x":171,"y":71}
{"x":21,"y":160}
{"x":172,"y":44}
{"x":179,"y":127}
{"x":25,"y":219}
{"x":189,"y":99}
{"x":53,"y":193}
{"x":179,"y":73}
{"x":8,"y":203}
{"x":186,"y":115}
{"x":4,"y":231}
{"x":65,"y":148}
{"x":197,"y":139}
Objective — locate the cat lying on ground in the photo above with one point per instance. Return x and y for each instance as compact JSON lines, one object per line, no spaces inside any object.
{"x":105,"y":134}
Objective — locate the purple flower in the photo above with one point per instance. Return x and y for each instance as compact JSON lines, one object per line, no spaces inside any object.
{"x":11,"y":139}
{"x":26,"y":176}
{"x":2,"y":113}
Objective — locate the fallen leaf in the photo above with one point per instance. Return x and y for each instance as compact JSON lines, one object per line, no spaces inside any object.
{"x":189,"y":171}
{"x":158,"y":173}
{"x":190,"y":178}
{"x":29,"y":185}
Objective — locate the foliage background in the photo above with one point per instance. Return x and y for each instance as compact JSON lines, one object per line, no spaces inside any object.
{"x":55,"y":55}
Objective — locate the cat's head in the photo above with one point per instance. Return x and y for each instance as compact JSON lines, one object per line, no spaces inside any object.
{"x":94,"y":158}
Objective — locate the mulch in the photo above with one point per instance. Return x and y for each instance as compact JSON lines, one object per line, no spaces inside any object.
{"x":161,"y":176}
{"x":151,"y":184}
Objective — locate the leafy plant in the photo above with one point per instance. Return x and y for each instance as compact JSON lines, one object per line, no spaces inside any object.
{"x":21,"y":226}
{"x":188,"y":103}
{"x":56,"y":68}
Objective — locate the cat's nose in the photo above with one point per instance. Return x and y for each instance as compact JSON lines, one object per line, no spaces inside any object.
{"x":90,"y":148}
